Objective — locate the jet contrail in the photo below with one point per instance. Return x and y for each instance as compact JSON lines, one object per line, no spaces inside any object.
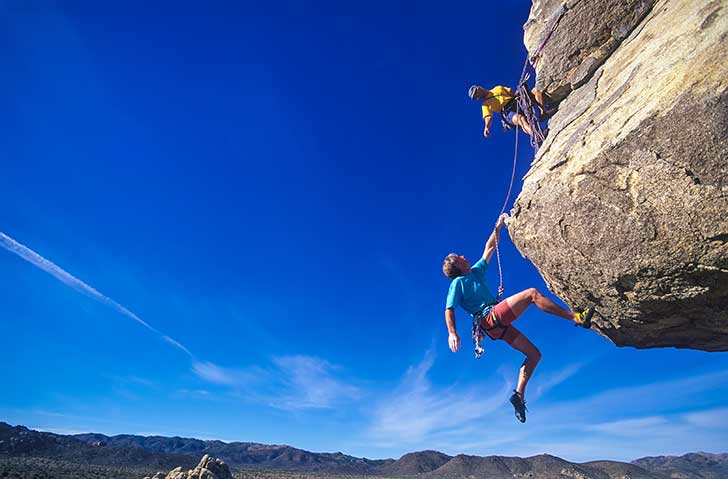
{"x":51,"y":268}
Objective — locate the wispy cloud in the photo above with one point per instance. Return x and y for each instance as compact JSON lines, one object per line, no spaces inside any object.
{"x":642,"y":400}
{"x":709,"y":418}
{"x":417,"y":413}
{"x":629,"y":439}
{"x":621,"y":423}
{"x":212,"y":373}
{"x":295,"y":382}
{"x":310,"y":382}
{"x":287,"y":382}
{"x":195,"y":394}
{"x":630,"y":427}
{"x":630,"y":422}
{"x":549,"y":381}
{"x":69,"y":280}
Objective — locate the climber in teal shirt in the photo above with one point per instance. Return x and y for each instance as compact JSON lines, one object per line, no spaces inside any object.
{"x":469,"y":290}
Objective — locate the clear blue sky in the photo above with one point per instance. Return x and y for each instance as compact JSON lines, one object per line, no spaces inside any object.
{"x":273,"y":190}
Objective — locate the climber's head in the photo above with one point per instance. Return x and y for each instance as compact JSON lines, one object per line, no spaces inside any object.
{"x":455,"y":265}
{"x":476,"y":92}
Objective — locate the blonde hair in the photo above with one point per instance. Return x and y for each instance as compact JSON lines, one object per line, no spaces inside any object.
{"x":449,"y":268}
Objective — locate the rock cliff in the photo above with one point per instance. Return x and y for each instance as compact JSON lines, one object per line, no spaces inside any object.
{"x":626,"y":203}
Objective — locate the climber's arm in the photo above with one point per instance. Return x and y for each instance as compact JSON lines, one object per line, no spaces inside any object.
{"x":453,"y":339}
{"x":492,"y":242}
{"x":488,"y":120}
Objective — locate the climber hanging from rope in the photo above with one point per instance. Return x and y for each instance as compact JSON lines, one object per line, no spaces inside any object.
{"x":517,"y":109}
{"x":493,"y":317}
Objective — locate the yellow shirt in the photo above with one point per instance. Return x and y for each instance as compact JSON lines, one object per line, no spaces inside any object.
{"x":496,"y":99}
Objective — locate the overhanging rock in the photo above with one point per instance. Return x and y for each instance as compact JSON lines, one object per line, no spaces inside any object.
{"x":626,"y":203}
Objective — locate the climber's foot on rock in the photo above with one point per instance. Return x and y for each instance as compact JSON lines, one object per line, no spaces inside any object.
{"x":584,"y":317}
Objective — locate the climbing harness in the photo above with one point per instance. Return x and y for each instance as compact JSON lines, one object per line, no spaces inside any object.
{"x":523,"y":95}
{"x":527,"y":106}
{"x":479,"y":331}
{"x":508,"y":108}
{"x":523,"y":102}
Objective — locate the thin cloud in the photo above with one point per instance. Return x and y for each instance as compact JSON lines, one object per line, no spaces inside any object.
{"x":417,"y":413}
{"x":310,"y":383}
{"x":709,"y":418}
{"x":629,"y":439}
{"x":195,"y":394}
{"x":629,"y":422}
{"x":298,"y":382}
{"x":69,"y":280}
{"x":636,"y":401}
{"x":212,"y":373}
{"x":546,"y":382}
{"x":630,"y":427}
{"x":290,"y":383}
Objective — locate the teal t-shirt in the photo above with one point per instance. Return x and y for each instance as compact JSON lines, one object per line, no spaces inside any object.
{"x":471,"y":290}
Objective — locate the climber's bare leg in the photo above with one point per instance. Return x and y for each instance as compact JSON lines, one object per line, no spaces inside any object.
{"x":520,"y":120}
{"x":520,"y":301}
{"x":538,"y":95}
{"x":533,"y":356}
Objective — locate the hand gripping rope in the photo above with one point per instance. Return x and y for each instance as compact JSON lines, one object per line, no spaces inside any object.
{"x":524,"y":104}
{"x":477,"y":332}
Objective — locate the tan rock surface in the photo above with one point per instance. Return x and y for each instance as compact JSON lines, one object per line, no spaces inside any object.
{"x":208,"y":468}
{"x":626,"y":204}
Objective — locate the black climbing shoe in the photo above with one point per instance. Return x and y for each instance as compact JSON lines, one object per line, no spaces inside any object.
{"x":519,"y":405}
{"x":584,"y":318}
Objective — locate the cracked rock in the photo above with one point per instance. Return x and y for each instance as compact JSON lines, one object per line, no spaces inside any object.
{"x":626,"y":203}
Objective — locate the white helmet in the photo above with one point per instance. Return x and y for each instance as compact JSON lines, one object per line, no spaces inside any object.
{"x":472,"y":90}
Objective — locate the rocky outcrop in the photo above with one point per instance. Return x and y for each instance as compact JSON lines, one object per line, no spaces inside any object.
{"x":626,"y":203}
{"x":208,"y":468}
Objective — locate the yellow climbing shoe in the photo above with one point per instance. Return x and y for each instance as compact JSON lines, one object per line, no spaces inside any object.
{"x":584,"y":318}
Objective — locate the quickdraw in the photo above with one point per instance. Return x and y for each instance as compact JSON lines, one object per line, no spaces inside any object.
{"x":479,"y":332}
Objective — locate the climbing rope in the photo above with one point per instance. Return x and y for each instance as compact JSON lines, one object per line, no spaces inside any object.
{"x":559,"y":14}
{"x":524,"y":104}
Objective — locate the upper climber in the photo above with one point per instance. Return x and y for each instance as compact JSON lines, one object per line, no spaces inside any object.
{"x":502,"y":100}
{"x":469,"y":290}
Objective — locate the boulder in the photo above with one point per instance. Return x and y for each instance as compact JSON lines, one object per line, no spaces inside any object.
{"x":208,"y":468}
{"x":625,"y":205}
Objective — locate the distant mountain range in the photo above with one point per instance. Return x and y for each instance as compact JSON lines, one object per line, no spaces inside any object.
{"x":164,"y":453}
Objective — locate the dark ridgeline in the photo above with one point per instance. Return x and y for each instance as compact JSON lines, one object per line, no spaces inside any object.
{"x":698,"y":465}
{"x":244,"y":454}
{"x":414,"y":463}
{"x":25,"y":453}
{"x":22,"y":442}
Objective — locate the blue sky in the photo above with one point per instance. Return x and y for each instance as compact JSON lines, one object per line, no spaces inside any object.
{"x":244,"y":210}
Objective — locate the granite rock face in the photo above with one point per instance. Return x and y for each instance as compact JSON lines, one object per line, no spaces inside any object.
{"x":585,"y":34}
{"x":626,"y":203}
{"x":208,"y":468}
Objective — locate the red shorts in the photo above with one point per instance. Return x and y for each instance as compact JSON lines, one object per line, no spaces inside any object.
{"x":505,"y":317}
